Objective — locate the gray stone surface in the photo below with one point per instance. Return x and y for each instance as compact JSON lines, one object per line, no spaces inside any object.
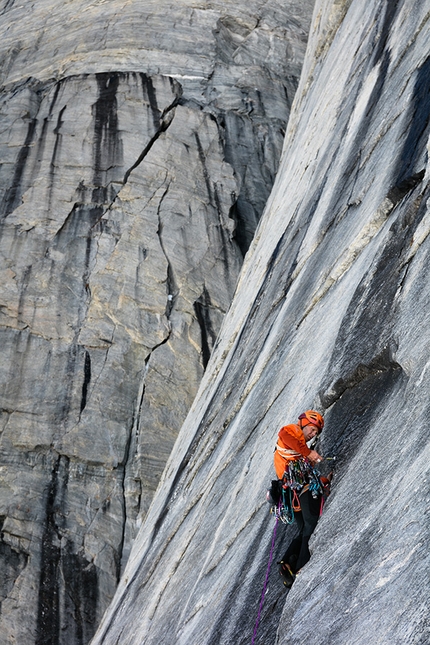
{"x":240,"y":61}
{"x":331,"y":311}
{"x":138,"y":145}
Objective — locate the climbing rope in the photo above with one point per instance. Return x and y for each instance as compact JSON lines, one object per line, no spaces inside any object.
{"x":322,"y":505}
{"x":265,"y":581}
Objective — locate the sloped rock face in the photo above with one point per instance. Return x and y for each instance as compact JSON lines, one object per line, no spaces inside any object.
{"x":330,"y":311}
{"x":138,"y":144}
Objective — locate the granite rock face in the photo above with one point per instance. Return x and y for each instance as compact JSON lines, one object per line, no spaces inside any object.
{"x":239,"y":62}
{"x":331,"y":311}
{"x":139,"y":142}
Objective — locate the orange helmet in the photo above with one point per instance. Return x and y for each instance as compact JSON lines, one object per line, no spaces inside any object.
{"x":313,"y":417}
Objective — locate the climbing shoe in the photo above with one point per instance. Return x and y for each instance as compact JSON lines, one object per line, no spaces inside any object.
{"x":286,"y":573}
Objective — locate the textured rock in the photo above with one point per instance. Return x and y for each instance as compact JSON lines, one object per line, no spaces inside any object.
{"x":241,"y":62}
{"x":331,"y":311}
{"x":138,"y":144}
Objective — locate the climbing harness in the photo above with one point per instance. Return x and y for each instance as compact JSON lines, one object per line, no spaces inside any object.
{"x":284,"y":494}
{"x":257,"y":622}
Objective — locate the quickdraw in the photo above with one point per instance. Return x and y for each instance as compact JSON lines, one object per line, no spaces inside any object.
{"x":284,"y":510}
{"x":299,"y":473}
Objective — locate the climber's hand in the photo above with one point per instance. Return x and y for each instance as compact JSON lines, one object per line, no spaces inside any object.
{"x":314,"y":457}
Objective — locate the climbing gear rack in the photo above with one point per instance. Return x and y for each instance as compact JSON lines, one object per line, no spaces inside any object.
{"x":299,"y":473}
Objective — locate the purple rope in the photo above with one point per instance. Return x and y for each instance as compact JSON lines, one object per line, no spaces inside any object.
{"x":265,"y":583}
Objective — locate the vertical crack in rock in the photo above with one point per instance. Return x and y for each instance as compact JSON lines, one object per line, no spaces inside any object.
{"x":41,"y":143}
{"x":171,"y":287}
{"x":87,"y":379}
{"x":162,"y":127}
{"x":107,"y":143}
{"x":55,"y":152}
{"x":204,"y":168}
{"x":48,"y":618}
{"x":75,"y":241}
{"x":133,"y":437}
{"x":63,"y":405}
{"x":13,"y":194}
{"x":130,"y":450}
{"x":419,"y":117}
{"x":242,"y":230}
{"x":26,"y":276}
{"x":68,"y":585}
{"x":108,"y":124}
{"x":150,"y":94}
{"x":213,"y":198}
{"x":202,"y":308}
{"x":109,"y":342}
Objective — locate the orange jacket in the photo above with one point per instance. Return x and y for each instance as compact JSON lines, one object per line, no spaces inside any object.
{"x":290,"y":438}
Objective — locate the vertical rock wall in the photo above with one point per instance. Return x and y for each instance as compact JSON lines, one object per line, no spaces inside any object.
{"x":331,"y":311}
{"x":138,"y":144}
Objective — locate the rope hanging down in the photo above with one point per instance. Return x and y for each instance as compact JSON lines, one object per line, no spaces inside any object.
{"x":265,"y":582}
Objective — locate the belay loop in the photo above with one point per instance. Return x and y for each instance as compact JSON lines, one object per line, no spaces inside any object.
{"x":295,"y":504}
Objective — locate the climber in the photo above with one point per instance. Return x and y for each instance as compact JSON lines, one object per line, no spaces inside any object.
{"x":294,"y":465}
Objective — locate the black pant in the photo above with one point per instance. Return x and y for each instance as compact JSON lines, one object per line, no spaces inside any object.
{"x":298,"y":553}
